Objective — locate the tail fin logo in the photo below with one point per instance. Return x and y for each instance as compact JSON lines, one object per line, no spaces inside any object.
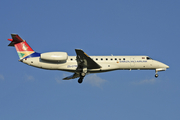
{"x":24,"y":47}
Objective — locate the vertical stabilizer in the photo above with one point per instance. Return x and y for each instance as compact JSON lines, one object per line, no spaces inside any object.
{"x":22,"y":48}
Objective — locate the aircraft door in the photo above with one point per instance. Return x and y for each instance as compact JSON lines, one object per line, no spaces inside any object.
{"x":132,"y":62}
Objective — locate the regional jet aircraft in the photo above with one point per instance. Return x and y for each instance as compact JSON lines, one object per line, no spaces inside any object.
{"x":81,"y":64}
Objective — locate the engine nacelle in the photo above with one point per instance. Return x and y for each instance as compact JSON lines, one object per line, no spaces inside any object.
{"x":54,"y":56}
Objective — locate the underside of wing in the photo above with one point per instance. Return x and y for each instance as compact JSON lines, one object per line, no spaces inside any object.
{"x":75,"y":75}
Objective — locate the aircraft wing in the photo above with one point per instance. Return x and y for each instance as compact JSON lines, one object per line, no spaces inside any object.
{"x":84,"y":60}
{"x":75,"y":75}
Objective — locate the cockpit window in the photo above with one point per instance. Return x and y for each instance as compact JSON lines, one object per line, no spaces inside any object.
{"x":148,"y":58}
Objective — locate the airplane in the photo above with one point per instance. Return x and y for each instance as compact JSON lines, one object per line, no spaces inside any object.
{"x":82,"y":64}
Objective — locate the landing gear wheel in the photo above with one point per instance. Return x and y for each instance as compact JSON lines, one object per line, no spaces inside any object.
{"x":156,"y":75}
{"x":80,"y":80}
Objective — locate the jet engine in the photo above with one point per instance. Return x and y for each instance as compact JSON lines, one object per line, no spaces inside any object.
{"x":54,"y":56}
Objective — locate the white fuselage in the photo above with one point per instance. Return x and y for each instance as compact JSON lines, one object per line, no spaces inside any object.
{"x":107,"y":63}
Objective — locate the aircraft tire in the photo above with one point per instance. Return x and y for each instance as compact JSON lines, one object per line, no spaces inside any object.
{"x":80,"y":80}
{"x":156,"y":75}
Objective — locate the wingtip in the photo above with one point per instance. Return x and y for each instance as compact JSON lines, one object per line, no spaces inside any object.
{"x":66,"y":78}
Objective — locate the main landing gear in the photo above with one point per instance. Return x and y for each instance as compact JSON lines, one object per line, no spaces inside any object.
{"x":82,"y":75}
{"x":80,"y":80}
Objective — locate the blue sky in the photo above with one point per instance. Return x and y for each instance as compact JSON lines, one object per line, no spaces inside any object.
{"x":99,"y":27}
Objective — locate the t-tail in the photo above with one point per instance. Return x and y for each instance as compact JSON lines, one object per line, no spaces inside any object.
{"x":22,"y":48}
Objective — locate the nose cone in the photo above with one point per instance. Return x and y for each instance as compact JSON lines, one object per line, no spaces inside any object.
{"x":167,"y":66}
{"x":164,"y":65}
{"x":161,"y":65}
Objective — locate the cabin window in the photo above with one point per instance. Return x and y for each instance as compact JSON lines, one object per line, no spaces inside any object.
{"x":111,"y":59}
{"x":71,"y":59}
{"x":124,"y":59}
{"x":119,"y":58}
{"x":101,"y":58}
{"x":115,"y":59}
{"x":106,"y":58}
{"x":96,"y":58}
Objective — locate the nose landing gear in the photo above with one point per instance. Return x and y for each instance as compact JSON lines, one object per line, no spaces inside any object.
{"x":156,"y":75}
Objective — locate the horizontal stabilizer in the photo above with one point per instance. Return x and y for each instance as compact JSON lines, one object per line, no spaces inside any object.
{"x":15,"y":39}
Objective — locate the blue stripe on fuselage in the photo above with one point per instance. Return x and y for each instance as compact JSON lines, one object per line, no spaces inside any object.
{"x":35,"y":54}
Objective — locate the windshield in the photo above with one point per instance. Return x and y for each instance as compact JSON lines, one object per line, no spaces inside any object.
{"x":148,"y":58}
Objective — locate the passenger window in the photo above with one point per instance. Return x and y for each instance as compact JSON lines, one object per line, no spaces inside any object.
{"x":119,"y":58}
{"x":106,"y":58}
{"x":101,"y":58}
{"x":115,"y":58}
{"x":96,"y":58}
{"x":111,"y":59}
{"x":71,"y":59}
{"x":124,"y":59}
